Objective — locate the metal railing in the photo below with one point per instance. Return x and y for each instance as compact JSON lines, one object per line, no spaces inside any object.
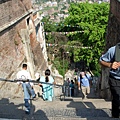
{"x":65,"y":89}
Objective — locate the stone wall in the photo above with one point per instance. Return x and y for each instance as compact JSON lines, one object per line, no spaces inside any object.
{"x":17,"y":46}
{"x":12,"y":9}
{"x":112,"y":37}
{"x":11,"y":50}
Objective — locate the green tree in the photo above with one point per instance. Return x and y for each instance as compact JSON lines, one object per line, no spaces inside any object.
{"x":90,"y":20}
{"x":49,"y":26}
{"x":86,"y":27}
{"x":57,"y":41}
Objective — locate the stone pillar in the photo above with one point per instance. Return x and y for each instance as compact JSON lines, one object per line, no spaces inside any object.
{"x":105,"y":89}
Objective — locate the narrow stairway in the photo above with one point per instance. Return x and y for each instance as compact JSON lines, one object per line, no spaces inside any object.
{"x":72,"y":108}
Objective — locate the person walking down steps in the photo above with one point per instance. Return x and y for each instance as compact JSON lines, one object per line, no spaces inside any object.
{"x":48,"y":92}
{"x":28,"y":90}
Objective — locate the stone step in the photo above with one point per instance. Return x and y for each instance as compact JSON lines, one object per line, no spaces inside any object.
{"x":71,"y":108}
{"x":8,"y":119}
{"x":74,"y":103}
{"x":72,"y":112}
{"x":65,"y":118}
{"x":38,"y":117}
{"x":49,"y":113}
{"x":61,"y":118}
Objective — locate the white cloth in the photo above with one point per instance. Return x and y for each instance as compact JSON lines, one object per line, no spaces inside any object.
{"x":24,"y":75}
{"x":37,"y":75}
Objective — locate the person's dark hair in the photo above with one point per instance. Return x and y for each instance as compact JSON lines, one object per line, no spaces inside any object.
{"x":24,"y":66}
{"x":72,"y":82}
{"x":75,"y":78}
{"x":47,"y":73}
{"x":87,"y":69}
{"x":83,"y":69}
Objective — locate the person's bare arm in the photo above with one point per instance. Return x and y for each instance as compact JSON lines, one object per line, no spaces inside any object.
{"x":106,"y":64}
{"x":79,"y":85}
{"x":113,"y":65}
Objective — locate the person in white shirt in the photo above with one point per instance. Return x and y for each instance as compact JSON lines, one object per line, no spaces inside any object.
{"x":24,"y":75}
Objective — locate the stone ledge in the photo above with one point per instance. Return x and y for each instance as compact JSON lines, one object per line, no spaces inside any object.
{"x":5,"y":26}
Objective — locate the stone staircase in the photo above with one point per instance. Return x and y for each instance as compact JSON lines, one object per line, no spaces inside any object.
{"x":71,"y":108}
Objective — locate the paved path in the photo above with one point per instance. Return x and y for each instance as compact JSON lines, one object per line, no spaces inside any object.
{"x":69,"y":109}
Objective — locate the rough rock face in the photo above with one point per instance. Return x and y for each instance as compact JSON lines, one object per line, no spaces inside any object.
{"x":20,"y":42}
{"x":17,"y":46}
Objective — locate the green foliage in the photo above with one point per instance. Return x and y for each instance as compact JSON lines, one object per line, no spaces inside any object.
{"x":61,"y":66}
{"x":47,"y":26}
{"x":92,"y":19}
{"x":59,"y":40}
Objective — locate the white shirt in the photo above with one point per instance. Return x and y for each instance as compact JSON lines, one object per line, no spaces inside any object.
{"x":23,"y":75}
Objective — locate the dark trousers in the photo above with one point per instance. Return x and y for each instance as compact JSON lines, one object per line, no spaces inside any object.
{"x":72,"y":91}
{"x":115,"y":91}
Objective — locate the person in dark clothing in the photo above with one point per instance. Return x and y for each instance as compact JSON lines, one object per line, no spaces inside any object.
{"x":72,"y":88}
{"x":111,"y":60}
